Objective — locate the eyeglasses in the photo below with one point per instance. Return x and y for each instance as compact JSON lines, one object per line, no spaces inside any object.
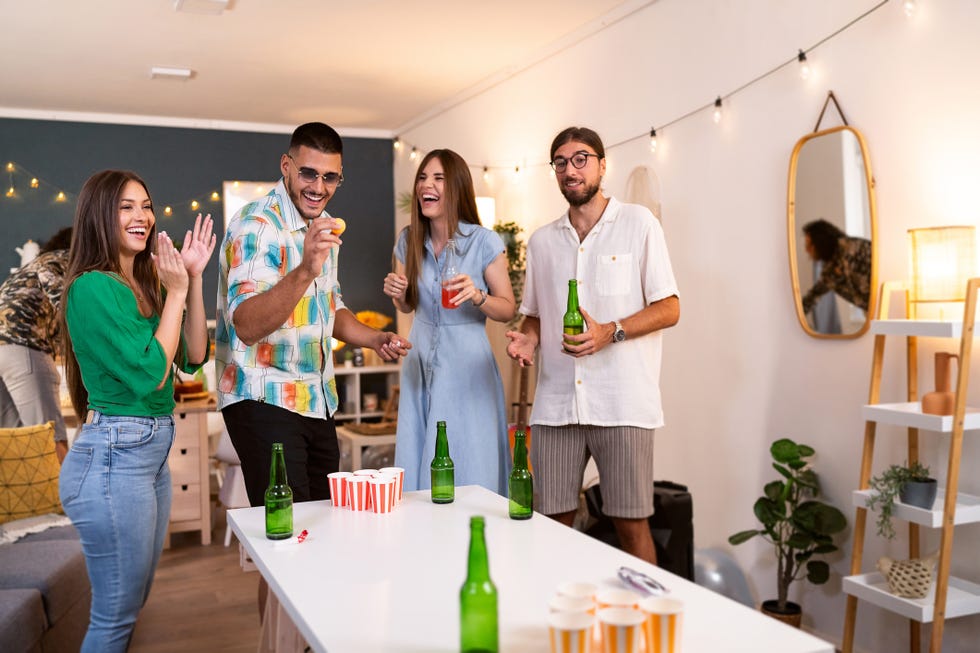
{"x":309,"y":175}
{"x":578,"y":161}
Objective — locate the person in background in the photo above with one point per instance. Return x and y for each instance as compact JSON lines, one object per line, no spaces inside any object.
{"x":126,"y":292}
{"x":846,"y":264}
{"x":279,"y":304}
{"x":600,"y":396}
{"x":451,"y":374}
{"x":30,"y":384}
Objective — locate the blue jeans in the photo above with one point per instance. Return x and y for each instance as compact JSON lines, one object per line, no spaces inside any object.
{"x":115,"y":487}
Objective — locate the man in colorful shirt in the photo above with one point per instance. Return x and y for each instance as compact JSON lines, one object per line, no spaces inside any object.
{"x":279,"y":303}
{"x":29,"y":339}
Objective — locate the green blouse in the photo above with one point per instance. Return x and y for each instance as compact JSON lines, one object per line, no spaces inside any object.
{"x":120,"y":360}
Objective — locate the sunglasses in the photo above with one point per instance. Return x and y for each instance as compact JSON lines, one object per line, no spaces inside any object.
{"x":309,"y":175}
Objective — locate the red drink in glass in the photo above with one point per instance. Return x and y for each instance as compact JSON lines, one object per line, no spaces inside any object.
{"x":447,"y":295}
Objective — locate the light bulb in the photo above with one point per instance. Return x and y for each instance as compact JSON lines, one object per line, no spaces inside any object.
{"x":909,"y":7}
{"x":10,"y":192}
{"x":60,"y":197}
{"x":397,"y":143}
{"x":194,"y":205}
{"x":34,"y":182}
{"x":804,"y":65}
{"x":653,"y":139}
{"x":717,"y":113}
{"x":517,"y":171}
{"x":486,"y":173}
{"x":10,"y":167}
{"x":215,"y":196}
{"x":414,"y":154}
{"x":168,"y":210}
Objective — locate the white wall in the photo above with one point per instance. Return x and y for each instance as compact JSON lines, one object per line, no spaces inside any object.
{"x":739,"y":371}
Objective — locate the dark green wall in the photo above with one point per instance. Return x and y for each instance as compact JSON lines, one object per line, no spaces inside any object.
{"x":179,"y":165}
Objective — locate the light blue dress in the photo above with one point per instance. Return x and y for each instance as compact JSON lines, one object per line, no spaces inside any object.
{"x":450,"y":375}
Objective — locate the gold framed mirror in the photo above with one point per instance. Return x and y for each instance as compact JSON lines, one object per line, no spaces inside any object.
{"x":831,"y":223}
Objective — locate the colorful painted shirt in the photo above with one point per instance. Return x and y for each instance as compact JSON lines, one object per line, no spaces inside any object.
{"x":292,"y":367}
{"x":29,"y":301}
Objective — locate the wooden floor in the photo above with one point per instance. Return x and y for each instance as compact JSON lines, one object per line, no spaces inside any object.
{"x":201,"y":600}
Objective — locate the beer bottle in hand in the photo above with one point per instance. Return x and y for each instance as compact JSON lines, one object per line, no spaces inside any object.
{"x":520,"y":486}
{"x":278,"y":499}
{"x":478,"y":597}
{"x":573,"y":323}
{"x":442,"y":469}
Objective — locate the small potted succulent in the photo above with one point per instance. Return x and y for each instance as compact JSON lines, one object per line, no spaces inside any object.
{"x":910,"y":483}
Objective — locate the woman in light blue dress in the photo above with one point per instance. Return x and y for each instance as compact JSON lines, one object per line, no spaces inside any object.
{"x":450,"y":373}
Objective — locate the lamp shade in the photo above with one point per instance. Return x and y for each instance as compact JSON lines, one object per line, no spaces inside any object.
{"x":941,"y":261}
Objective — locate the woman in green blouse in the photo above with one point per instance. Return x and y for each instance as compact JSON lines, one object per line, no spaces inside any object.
{"x":126,"y":328}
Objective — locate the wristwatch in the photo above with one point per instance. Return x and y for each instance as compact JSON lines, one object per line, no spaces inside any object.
{"x":619,"y":335}
{"x":483,"y":300}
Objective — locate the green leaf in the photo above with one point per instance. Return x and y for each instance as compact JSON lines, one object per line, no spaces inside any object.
{"x":819,"y":518}
{"x":824,"y":548}
{"x":768,"y":511}
{"x":805,"y":451}
{"x":743,"y":536}
{"x":817,"y":572}
{"x":774,"y":490}
{"x":799,"y":540}
{"x":782,"y":470}
{"x":784,"y":450}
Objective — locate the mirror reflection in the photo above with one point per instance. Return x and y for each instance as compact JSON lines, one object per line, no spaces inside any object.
{"x":831,"y":227}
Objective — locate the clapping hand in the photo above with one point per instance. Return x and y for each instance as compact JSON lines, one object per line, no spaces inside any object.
{"x":170,"y":268}
{"x":198,"y":246}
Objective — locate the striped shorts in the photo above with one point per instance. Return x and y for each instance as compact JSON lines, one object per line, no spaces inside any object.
{"x":623,"y":455}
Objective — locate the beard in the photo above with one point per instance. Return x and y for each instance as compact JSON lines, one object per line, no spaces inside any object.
{"x":296,"y":195}
{"x":580,"y":197}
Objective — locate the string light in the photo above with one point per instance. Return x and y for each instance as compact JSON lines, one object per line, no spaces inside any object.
{"x":716,"y":115}
{"x":653,"y":139}
{"x":215,"y":196}
{"x":168,"y":211}
{"x":11,"y":192}
{"x":397,"y":144}
{"x":194,"y":205}
{"x":486,"y":174}
{"x":34,"y":182}
{"x":10,"y":167}
{"x":804,"y":65}
{"x":60,"y":197}
{"x":414,"y":154}
{"x":909,"y":7}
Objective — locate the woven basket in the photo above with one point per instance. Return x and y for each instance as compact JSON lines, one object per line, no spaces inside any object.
{"x":911,"y":579}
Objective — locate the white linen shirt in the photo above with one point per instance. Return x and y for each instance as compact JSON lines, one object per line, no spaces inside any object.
{"x":622,"y":266}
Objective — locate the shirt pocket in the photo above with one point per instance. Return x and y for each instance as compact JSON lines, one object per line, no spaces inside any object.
{"x":614,"y":274}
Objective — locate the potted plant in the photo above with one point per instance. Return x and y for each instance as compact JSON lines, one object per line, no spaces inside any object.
{"x":909,"y":483}
{"x":797,"y":525}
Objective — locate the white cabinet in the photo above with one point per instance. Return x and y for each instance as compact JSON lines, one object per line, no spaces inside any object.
{"x":356,"y":383}
{"x":949,"y":596}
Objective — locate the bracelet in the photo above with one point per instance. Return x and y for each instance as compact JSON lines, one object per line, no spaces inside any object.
{"x":482,"y":301}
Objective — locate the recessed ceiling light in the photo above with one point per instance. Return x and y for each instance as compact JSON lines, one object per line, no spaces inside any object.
{"x":167,"y":72}
{"x":213,"y":7}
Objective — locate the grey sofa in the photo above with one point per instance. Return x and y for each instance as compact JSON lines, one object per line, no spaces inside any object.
{"x":44,"y":593}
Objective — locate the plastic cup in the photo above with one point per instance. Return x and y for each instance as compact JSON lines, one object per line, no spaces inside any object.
{"x":622,"y":630}
{"x":663,"y":624}
{"x":617,"y":598}
{"x":382,"y":490}
{"x":561,"y":603}
{"x":365,"y":472}
{"x":338,"y":488}
{"x":578,"y":589}
{"x":570,"y":632}
{"x":399,"y":474}
{"x":357,"y":493}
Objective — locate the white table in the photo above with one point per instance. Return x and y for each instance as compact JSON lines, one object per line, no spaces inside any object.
{"x":365,"y":582}
{"x":358,"y":442}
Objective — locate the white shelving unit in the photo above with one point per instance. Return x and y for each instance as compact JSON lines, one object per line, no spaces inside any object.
{"x":353,"y":381}
{"x":949,"y":596}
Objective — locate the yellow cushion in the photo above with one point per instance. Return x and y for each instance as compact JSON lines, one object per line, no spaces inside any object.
{"x":28,"y":472}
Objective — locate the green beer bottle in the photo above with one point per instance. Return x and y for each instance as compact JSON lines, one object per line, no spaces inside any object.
{"x":278,"y":498}
{"x":573,"y":323}
{"x":442,"y":469}
{"x":478,"y":598}
{"x":520,"y":486}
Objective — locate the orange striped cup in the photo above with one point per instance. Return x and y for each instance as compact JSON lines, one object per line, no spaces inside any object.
{"x":622,"y":630}
{"x":382,"y":490}
{"x":399,"y":474}
{"x":617,"y":598}
{"x":338,"y":488}
{"x":358,"y":497}
{"x":570,"y":632}
{"x":663,"y":624}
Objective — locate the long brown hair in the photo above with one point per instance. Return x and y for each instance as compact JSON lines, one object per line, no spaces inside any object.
{"x":95,"y":246}
{"x":458,"y":194}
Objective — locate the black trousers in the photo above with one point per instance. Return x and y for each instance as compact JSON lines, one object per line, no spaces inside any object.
{"x":309,"y":444}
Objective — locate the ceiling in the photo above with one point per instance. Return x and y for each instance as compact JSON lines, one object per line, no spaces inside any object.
{"x":370,"y":64}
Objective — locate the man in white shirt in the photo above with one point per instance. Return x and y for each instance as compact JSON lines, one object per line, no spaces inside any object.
{"x":599,"y":397}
